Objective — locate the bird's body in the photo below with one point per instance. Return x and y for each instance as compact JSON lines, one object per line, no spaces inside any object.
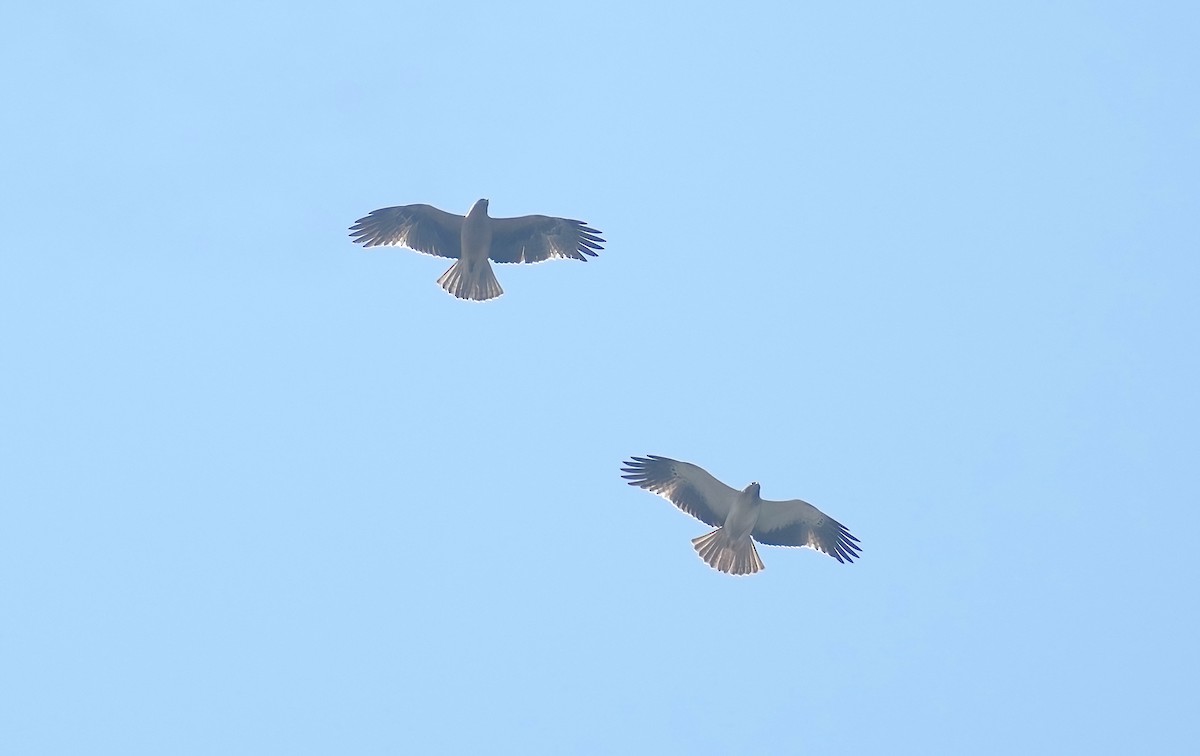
{"x":476,"y":239}
{"x":477,"y":233}
{"x":740,"y":517}
{"x":730,"y":547}
{"x":472,"y":277}
{"x":743,"y":514}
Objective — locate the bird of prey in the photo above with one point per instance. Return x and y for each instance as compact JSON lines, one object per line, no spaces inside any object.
{"x":474,"y":240}
{"x":740,"y":517}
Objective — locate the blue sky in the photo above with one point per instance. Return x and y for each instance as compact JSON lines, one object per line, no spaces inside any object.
{"x":932,"y":268}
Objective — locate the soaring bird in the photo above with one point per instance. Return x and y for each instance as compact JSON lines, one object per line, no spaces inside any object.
{"x":741,"y":517}
{"x":474,"y":240}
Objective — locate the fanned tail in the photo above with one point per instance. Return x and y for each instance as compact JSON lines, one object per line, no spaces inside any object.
{"x":738,"y":558}
{"x":479,"y":284}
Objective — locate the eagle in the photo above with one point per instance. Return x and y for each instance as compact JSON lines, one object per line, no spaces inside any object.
{"x":474,"y":240}
{"x":740,"y":517}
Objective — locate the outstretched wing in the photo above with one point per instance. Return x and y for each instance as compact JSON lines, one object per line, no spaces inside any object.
{"x":798,"y":523}
{"x":686,"y":486}
{"x":423,"y":228}
{"x":535,"y":238}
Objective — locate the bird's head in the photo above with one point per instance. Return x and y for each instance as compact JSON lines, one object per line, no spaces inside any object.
{"x":753,"y":488}
{"x":479,"y":208}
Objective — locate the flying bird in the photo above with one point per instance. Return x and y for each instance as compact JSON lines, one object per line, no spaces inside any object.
{"x":474,"y":240}
{"x":740,"y":517}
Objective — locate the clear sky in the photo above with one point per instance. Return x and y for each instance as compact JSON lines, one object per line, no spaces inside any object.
{"x":930,"y":266}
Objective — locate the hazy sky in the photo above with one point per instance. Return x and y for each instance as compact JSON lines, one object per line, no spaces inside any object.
{"x":930,"y":266}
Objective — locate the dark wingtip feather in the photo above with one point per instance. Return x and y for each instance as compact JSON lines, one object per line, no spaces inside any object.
{"x":363,"y":234}
{"x":636,"y":470}
{"x":847,"y":545}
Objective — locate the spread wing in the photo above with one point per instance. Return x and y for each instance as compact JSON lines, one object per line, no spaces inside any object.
{"x":798,"y":523}
{"x":535,"y":238}
{"x":686,"y":486}
{"x":420,"y":227}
